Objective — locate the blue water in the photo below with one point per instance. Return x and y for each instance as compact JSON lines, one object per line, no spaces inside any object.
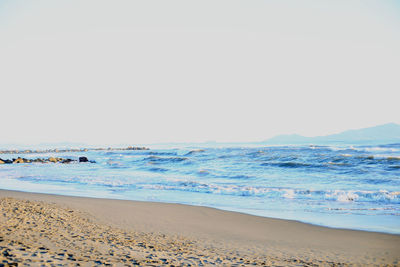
{"x":346,"y":187}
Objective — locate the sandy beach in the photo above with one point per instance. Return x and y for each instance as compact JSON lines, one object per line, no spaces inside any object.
{"x":38,"y":229}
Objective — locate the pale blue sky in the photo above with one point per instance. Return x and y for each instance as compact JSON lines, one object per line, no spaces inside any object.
{"x":159,"y":71}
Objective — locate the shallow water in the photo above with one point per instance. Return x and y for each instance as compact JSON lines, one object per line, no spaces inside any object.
{"x":347,"y":187}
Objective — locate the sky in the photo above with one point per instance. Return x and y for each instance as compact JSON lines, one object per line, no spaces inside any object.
{"x":148,"y":71}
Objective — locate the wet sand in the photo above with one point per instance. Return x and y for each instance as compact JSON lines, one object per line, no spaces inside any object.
{"x":38,"y":229}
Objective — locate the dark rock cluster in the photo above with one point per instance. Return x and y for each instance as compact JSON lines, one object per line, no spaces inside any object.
{"x":135,"y":148}
{"x":44,"y":160}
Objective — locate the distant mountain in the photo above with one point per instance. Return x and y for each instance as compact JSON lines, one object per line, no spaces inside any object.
{"x":381,"y":134}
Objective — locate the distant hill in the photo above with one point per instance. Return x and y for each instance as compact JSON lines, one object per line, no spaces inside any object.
{"x":381,"y":134}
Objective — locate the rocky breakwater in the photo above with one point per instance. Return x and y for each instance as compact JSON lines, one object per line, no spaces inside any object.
{"x":44,"y":160}
{"x":56,"y":150}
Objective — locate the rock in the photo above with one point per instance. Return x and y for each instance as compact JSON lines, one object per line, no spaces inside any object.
{"x":135,"y":148}
{"x":51,"y":159}
{"x":18,"y":160}
{"x":83,"y":159}
{"x":40,"y":160}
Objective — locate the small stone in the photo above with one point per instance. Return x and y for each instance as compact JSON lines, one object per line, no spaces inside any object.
{"x":18,"y":160}
{"x":51,"y":159}
{"x":83,"y":159}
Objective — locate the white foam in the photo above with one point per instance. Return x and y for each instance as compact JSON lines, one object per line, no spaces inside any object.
{"x":342,"y":196}
{"x":373,"y":149}
{"x":289,"y":193}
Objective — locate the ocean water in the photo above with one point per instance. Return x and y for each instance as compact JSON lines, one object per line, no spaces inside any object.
{"x":354,"y":187}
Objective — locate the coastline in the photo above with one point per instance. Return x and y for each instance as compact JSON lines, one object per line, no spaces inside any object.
{"x":215,"y":233}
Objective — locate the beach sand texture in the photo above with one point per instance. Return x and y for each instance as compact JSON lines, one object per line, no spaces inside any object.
{"x":38,"y":229}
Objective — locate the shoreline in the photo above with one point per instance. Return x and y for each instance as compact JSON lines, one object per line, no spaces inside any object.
{"x":12,"y":191}
{"x":218,"y":232}
{"x":209,"y":207}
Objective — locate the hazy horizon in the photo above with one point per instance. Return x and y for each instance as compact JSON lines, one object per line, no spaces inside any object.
{"x":140,"y":72}
{"x":267,"y":141}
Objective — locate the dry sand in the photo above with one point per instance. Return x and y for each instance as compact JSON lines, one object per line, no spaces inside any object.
{"x":38,"y":229}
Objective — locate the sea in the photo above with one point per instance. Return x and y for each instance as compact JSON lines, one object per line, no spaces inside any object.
{"x":351,"y":187}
